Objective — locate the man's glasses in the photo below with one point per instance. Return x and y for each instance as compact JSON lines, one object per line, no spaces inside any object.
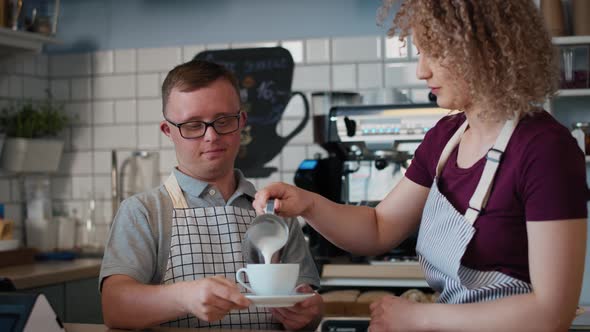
{"x":223,"y":125}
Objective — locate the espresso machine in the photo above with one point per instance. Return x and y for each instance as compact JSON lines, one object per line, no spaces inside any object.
{"x":369,"y":149}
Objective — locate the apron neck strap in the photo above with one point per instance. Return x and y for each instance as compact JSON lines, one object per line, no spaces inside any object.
{"x":493,"y":158}
{"x":451,"y":144}
{"x":178,"y":200}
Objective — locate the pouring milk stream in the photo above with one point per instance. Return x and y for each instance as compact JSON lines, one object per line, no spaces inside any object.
{"x":268,"y":233}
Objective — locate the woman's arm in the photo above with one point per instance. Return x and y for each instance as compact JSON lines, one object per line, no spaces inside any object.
{"x":557,"y":251}
{"x":359,"y":229}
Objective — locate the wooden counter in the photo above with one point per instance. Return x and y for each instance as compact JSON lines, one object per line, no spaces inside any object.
{"x":51,"y":272}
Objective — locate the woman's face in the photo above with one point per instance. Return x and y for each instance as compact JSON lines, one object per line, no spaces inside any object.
{"x":451,"y":90}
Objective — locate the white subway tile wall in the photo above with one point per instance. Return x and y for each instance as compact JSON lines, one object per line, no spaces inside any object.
{"x":344,"y":77}
{"x":5,"y":86}
{"x":158,"y":59}
{"x":311,"y":78}
{"x":28,"y":61}
{"x":102,"y":112}
{"x":125,"y":111}
{"x":125,"y":61}
{"x":356,"y":49}
{"x":317,"y":51}
{"x":16,"y":86}
{"x":60,"y":89}
{"x":113,"y":99}
{"x":81,"y":89}
{"x":148,"y":85}
{"x":71,"y":65}
{"x":295,"y":47}
{"x":34,"y":88}
{"x":103,"y":62}
{"x":113,"y":87}
{"x":189,"y":52}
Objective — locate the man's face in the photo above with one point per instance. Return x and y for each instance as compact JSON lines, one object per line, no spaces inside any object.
{"x":212,"y":156}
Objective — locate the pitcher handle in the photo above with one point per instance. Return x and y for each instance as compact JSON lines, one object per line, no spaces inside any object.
{"x":299,"y":127}
{"x":242,"y":281}
{"x":270,"y":207}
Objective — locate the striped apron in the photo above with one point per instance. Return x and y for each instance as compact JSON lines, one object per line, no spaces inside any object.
{"x":445,"y":233}
{"x":207,"y":242}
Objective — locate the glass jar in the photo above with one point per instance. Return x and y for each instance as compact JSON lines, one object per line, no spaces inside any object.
{"x":581,"y":132}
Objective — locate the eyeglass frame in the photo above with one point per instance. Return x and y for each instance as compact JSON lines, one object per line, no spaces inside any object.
{"x":207,"y":125}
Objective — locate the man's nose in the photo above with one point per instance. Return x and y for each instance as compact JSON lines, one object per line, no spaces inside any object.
{"x":210,"y":134}
{"x":423,"y":71}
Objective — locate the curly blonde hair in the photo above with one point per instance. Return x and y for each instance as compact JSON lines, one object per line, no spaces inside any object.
{"x":501,"y":48}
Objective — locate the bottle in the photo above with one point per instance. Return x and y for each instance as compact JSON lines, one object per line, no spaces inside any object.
{"x":66,"y":230}
{"x":6,"y":226}
{"x":553,"y":13}
{"x":41,"y":230}
{"x":581,"y":132}
{"x":581,"y":12}
{"x":87,"y":229}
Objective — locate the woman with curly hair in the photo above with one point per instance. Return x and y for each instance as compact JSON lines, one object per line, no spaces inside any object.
{"x":497,"y":190}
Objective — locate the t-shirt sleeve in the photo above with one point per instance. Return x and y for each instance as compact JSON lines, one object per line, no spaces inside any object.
{"x":131,"y":246}
{"x":297,"y":251}
{"x":553,"y":179}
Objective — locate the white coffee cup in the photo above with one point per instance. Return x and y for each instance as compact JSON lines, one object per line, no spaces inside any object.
{"x":269,"y":279}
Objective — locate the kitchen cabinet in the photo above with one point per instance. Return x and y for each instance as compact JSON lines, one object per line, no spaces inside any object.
{"x":75,"y":301}
{"x":70,"y":286}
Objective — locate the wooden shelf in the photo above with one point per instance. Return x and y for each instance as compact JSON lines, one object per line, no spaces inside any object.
{"x":573,"y":92}
{"x":19,"y":41}
{"x":571,"y":40}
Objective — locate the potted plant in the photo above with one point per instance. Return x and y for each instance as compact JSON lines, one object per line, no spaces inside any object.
{"x":32,"y":144}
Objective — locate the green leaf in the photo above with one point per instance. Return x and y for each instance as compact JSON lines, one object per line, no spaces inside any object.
{"x":33,"y":120}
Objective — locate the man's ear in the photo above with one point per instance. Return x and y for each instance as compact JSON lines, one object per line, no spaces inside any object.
{"x":243,"y":120}
{"x":165,"y":128}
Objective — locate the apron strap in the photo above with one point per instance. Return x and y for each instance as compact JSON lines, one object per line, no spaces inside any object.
{"x":178,"y":200}
{"x":493,"y":158}
{"x":451,"y":144}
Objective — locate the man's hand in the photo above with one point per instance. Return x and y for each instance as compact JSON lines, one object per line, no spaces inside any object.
{"x":392,"y":313}
{"x":210,"y":299}
{"x":303,"y":313}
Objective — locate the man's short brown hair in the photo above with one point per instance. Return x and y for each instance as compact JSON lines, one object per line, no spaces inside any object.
{"x":194,"y":75}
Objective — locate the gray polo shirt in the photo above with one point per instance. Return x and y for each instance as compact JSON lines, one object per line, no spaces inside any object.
{"x":139,"y":240}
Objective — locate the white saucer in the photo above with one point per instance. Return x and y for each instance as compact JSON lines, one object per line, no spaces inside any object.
{"x":277,"y":301}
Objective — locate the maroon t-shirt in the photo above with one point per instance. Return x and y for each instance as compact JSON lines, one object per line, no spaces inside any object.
{"x":542,"y":177}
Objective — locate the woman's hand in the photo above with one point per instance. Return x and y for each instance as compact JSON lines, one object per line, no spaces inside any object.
{"x":290,"y":201}
{"x":392,"y":313}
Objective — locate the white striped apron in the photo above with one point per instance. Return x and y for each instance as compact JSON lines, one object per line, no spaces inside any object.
{"x":445,"y":233}
{"x":207,"y":242}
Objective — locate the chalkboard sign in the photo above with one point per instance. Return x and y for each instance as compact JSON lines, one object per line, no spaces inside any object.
{"x":265,"y":76}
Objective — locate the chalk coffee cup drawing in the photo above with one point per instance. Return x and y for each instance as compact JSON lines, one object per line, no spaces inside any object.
{"x":265,"y":76}
{"x":269,"y":279}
